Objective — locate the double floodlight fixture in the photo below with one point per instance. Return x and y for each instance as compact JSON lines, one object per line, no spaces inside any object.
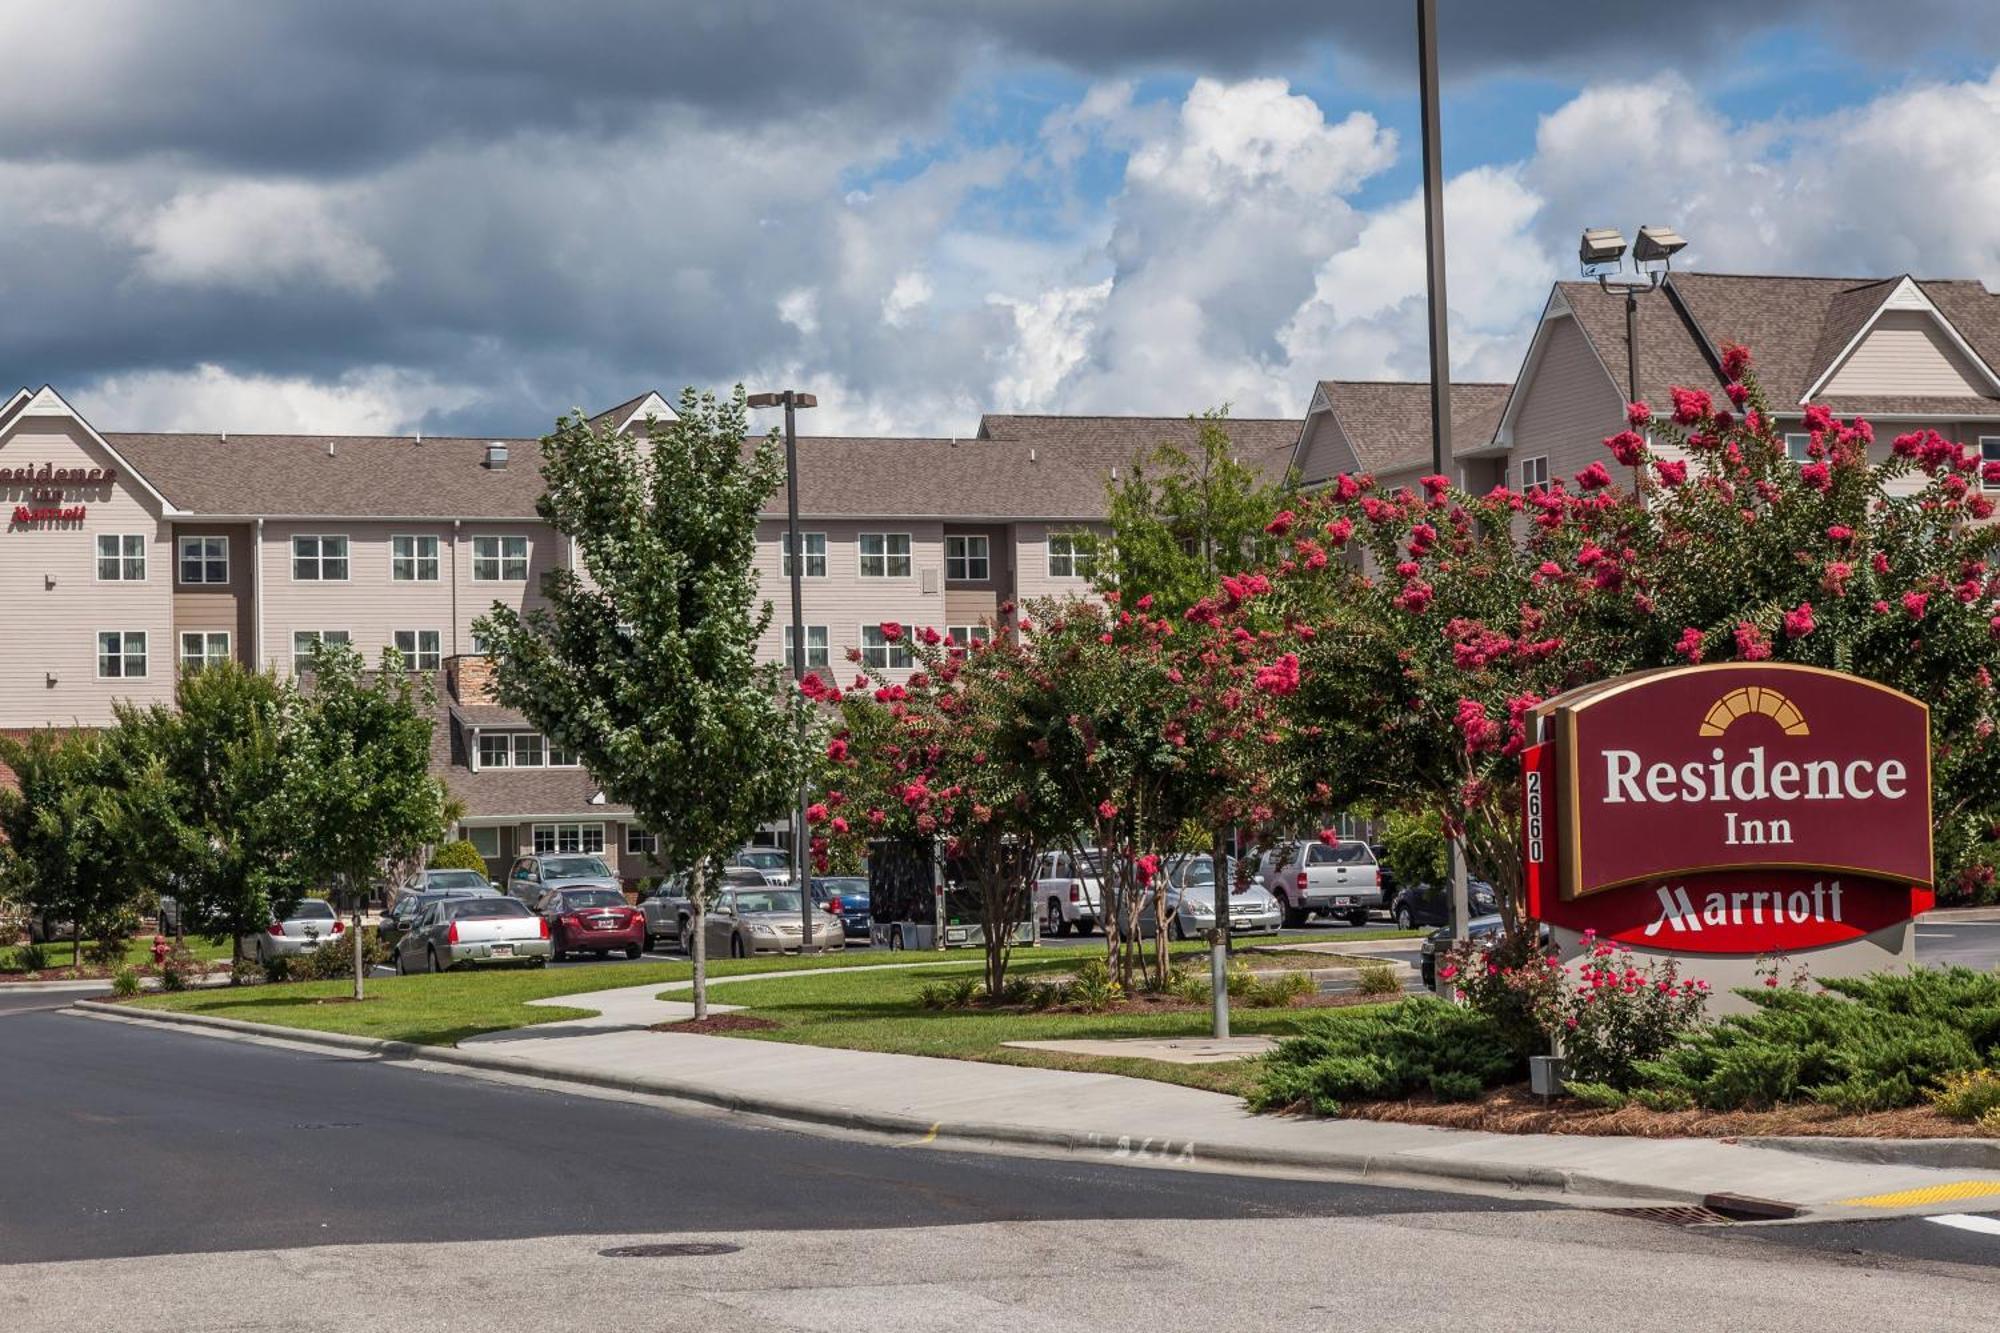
{"x":1601,"y":252}
{"x":793,"y":396}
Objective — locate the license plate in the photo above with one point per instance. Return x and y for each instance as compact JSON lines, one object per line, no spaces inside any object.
{"x":1343,"y":902}
{"x":503,"y":951}
{"x":1240,"y":923}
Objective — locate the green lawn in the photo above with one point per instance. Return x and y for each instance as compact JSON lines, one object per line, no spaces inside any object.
{"x":138,"y":953}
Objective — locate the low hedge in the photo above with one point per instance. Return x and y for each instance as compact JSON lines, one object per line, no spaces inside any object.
{"x":1421,"y":1044}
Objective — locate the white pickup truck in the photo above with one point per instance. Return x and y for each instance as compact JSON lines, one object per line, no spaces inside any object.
{"x":1317,"y":878}
{"x":1066,"y":892}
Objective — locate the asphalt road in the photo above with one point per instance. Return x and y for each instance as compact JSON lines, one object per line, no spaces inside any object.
{"x":1965,"y":943}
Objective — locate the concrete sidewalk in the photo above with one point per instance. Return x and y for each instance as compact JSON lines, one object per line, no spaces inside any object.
{"x":970,"y":1104}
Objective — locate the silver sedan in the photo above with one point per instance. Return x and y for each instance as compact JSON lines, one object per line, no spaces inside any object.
{"x":459,"y":932}
{"x":1190,"y":894}
{"x":753,"y":921}
{"x":312,"y":923}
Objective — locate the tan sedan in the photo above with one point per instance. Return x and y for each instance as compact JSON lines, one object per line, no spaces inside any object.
{"x":753,"y":921}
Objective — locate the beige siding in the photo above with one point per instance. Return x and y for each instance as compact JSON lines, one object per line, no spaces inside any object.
{"x":1967,"y":433}
{"x":1905,"y":353}
{"x":55,"y":605}
{"x":230,"y":606}
{"x":842,"y":600}
{"x":1031,"y":561}
{"x":1567,"y":407}
{"x":1327,"y":452}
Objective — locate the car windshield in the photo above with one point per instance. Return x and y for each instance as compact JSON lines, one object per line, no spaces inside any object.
{"x":1199,"y":873}
{"x":456,"y":879}
{"x":770,"y":900}
{"x":573,"y":867}
{"x":313,"y":909}
{"x":471,"y":907}
{"x":593,"y":898}
{"x":765,"y":860}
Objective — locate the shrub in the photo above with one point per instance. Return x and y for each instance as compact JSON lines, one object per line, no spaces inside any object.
{"x":31,"y":957}
{"x":1390,"y":1050}
{"x":180,"y":969}
{"x":1862,"y":1044}
{"x":1970,"y":1095}
{"x":1601,"y":1096}
{"x":1378,"y":979}
{"x":1509,"y":982}
{"x":332,"y":960}
{"x":1190,"y":985}
{"x":1278,"y":990}
{"x":1016,"y":990}
{"x":125,"y":982}
{"x":950,"y":993}
{"x":1990,"y":1122}
{"x":1093,"y":987}
{"x":458,"y":855}
{"x":1048,"y":994}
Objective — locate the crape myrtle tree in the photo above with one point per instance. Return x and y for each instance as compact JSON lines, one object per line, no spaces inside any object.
{"x":66,"y":848}
{"x":213,"y":824}
{"x":356,"y":792}
{"x":944,"y":760}
{"x":1708,"y":544}
{"x":643,"y":661}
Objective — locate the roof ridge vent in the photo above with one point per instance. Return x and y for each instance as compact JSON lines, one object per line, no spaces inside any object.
{"x":496,"y":455}
{"x":1031,"y":453}
{"x":329,"y":448}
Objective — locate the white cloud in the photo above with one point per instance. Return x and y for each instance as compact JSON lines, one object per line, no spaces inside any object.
{"x":257,"y":235}
{"x":911,"y":293}
{"x":800,"y":309}
{"x":378,"y":400}
{"x":1052,"y":337}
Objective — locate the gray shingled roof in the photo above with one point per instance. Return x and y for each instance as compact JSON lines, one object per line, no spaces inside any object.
{"x":507,"y":791}
{"x":1388,"y":422}
{"x":1262,"y":443}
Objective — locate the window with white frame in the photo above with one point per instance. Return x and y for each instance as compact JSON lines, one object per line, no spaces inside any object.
{"x":500,"y":559}
{"x":1534,"y":474}
{"x":1989,"y":454}
{"x":305,"y":640}
{"x":816,"y":646}
{"x":878,"y":651}
{"x":569,"y":838}
{"x":203,"y":648}
{"x":638,"y":842}
{"x":815,"y":549}
{"x":413,"y":558}
{"x":204,"y":559}
{"x":530,"y":751}
{"x":121,"y":557}
{"x":485,"y":840}
{"x":319,"y":559}
{"x":967,"y":558}
{"x":560,"y":756}
{"x":1798,"y":446}
{"x":496,"y":750}
{"x":1072,"y":555}
{"x":420,"y":649}
{"x":121,"y":654}
{"x":479,"y":645}
{"x":885,"y":555}
{"x":965,"y":636}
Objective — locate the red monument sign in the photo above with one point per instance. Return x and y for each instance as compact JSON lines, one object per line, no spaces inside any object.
{"x":1739,"y":808}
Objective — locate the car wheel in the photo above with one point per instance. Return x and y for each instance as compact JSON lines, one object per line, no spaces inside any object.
{"x":1358,"y":917}
{"x":736,"y":949}
{"x":1404,"y":921}
{"x":634,"y":950}
{"x":401,"y":970}
{"x":434,"y":961}
{"x":1295,"y":917}
{"x":556,"y":951}
{"x":1180,"y":931}
{"x":1057,"y":926}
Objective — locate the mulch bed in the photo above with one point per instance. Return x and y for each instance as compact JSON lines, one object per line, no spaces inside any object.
{"x":1515,"y":1110}
{"x":717,"y":1023}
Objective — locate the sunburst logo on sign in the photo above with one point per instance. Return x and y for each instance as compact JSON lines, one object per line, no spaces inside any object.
{"x":1754,"y":700}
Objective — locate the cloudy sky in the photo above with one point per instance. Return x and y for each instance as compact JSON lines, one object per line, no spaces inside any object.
{"x":469,"y":215}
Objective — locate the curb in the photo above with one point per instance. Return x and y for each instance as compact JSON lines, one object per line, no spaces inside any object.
{"x":1159,"y":1152}
{"x":1942,"y":1154}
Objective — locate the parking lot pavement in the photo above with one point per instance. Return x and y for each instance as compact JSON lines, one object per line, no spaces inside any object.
{"x":1973,"y":944}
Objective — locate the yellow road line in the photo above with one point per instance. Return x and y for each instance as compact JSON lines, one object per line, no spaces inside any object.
{"x":928,"y":1138}
{"x":1957,"y":1189}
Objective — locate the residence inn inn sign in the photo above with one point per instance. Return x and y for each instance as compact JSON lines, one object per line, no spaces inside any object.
{"x":1732,"y":811}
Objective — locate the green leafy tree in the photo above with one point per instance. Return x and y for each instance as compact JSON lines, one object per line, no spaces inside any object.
{"x":208,"y":813}
{"x":357,"y":791}
{"x":644,"y":661}
{"x":458,"y":854}
{"x":1183,"y":517}
{"x":65,"y":845}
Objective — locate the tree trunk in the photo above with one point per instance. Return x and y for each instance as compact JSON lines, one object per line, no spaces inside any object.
{"x":698,"y":947}
{"x":360,"y":953}
{"x":76,"y":944}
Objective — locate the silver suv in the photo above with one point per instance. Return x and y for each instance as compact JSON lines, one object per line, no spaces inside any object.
{"x":1322,"y":879}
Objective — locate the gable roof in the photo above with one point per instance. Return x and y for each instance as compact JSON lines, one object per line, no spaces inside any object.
{"x":46,"y":402}
{"x":1388,"y":422}
{"x":635,"y":409}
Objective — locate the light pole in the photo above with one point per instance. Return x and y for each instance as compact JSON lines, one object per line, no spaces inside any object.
{"x":1440,"y":338}
{"x":1601,"y":252}
{"x":792,"y":400}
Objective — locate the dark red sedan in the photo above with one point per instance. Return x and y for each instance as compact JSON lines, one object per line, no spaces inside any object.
{"x":592,"y":921}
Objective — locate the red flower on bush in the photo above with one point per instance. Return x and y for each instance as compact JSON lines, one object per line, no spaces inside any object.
{"x":1799,"y":621}
{"x":1690,"y":405}
{"x":1280,"y":677}
{"x":1106,"y":809}
{"x":1751,"y":644}
{"x":1281,"y":524}
{"x":1915,"y":602}
{"x":1735,"y":360}
{"x":1638,"y":414}
{"x":1594,"y":478}
{"x":1627,"y":447}
{"x":892,"y":630}
{"x":1672,"y":471}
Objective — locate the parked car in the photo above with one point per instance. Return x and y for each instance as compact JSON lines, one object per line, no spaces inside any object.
{"x":753,"y":921}
{"x":1430,"y":904}
{"x":1481,"y":930}
{"x":397,"y":921}
{"x":846,"y":896}
{"x":312,"y":923}
{"x":1383,"y":874}
{"x":1322,"y":879}
{"x":535,"y":875}
{"x":666,"y":909}
{"x":1066,"y":892}
{"x":1189,"y":885}
{"x":591,"y":921}
{"x":774,"y":864}
{"x":46,"y":928}
{"x":426,"y":881}
{"x":469,"y":932}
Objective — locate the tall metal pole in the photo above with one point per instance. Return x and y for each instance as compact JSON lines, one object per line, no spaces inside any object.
{"x":801,"y":836}
{"x":1441,"y":456}
{"x":1631,"y":345}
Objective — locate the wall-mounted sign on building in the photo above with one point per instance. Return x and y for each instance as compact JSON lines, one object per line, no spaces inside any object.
{"x":1743,"y":808}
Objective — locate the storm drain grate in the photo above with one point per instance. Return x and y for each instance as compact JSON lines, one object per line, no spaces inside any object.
{"x":684,"y":1250}
{"x":1675,"y":1215}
